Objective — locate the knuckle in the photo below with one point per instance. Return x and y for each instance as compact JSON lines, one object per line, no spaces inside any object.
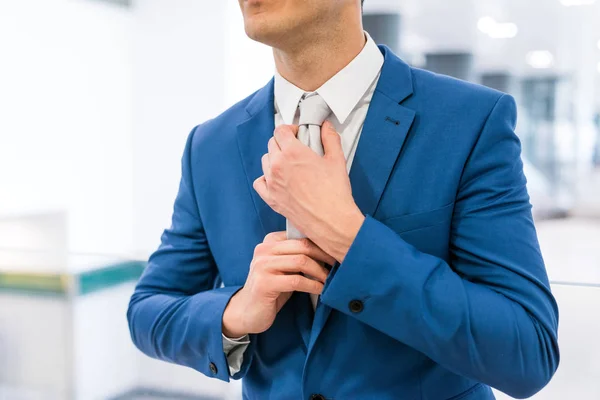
{"x":271,"y":236}
{"x":259,"y":249}
{"x":305,"y":244}
{"x":290,"y":151}
{"x":257,"y":182}
{"x":296,"y":281}
{"x":298,"y":260}
{"x":275,"y":206}
{"x":282,"y":129}
{"x":258,"y":262}
{"x":317,"y":286}
{"x":278,"y":130}
{"x":276,"y":166}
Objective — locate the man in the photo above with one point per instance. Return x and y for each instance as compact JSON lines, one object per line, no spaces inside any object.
{"x":416,"y":276}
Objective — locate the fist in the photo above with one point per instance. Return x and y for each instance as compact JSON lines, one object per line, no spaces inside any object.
{"x":278,"y":269}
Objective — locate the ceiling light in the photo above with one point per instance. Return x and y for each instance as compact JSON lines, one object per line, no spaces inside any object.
{"x":573,"y":3}
{"x":540,"y":59}
{"x":496,"y":30}
{"x":486,"y":24}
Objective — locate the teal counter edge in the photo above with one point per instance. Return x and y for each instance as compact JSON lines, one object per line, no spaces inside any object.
{"x":82,"y":283}
{"x":109,"y":276}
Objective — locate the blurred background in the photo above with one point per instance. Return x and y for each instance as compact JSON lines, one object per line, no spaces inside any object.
{"x":97,"y":98}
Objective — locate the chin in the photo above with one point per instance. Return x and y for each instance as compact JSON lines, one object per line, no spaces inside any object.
{"x":273,"y":28}
{"x":263,"y":32}
{"x":255,"y":31}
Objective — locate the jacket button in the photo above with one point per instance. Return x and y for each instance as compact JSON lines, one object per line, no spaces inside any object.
{"x":317,"y":397}
{"x":356,"y":306}
{"x":213,"y":368}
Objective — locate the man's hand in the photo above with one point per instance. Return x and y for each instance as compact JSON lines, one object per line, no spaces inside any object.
{"x":275,"y":273}
{"x":313,"y":192}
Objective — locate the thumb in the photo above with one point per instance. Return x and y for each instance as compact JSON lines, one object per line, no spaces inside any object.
{"x":332,"y":141}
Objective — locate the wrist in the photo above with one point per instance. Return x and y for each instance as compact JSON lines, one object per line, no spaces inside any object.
{"x":343,"y":233}
{"x":351,"y":229}
{"x":232,"y":324}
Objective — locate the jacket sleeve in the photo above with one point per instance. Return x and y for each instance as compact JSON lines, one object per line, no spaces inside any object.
{"x":175,"y":313}
{"x":488,"y":314}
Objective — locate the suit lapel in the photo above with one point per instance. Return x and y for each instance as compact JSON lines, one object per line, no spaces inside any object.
{"x":384,"y":132}
{"x":253,"y":136}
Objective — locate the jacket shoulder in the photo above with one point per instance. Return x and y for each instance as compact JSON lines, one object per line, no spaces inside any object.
{"x":449,"y":91}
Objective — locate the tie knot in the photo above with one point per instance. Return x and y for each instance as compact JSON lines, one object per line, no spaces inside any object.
{"x":313,"y":110}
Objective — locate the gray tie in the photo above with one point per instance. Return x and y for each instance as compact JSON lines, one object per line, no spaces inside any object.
{"x":313,"y":112}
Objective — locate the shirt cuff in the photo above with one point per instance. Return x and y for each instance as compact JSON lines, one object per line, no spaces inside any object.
{"x":234,"y":351}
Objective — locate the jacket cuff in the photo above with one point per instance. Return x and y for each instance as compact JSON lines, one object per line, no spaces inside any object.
{"x":215,"y":364}
{"x":351,"y":284}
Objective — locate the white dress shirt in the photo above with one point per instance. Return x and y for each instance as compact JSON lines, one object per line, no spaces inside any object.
{"x":348,"y":94}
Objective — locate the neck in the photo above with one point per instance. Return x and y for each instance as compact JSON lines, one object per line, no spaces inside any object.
{"x":310,"y":64}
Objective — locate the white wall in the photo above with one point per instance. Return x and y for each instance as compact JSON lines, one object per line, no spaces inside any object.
{"x":105,"y":362}
{"x":248,"y":64}
{"x":178,"y":83}
{"x":192,"y":60}
{"x":33,"y":242}
{"x":65,"y":140}
{"x":99,"y":101}
{"x":35,"y":351}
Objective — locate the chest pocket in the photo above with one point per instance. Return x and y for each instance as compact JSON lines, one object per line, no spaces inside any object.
{"x":428,"y":231}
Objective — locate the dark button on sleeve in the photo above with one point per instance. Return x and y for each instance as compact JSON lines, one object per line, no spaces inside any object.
{"x":213,"y":368}
{"x":356,"y":306}
{"x":317,"y":397}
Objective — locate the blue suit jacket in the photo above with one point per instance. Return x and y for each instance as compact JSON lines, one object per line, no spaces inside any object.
{"x":447,"y":264}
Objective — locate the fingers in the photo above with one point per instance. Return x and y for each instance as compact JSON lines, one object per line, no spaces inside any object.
{"x":260,"y":185}
{"x":266,"y":167}
{"x":285,"y":136}
{"x":273,"y":146}
{"x":303,"y":246}
{"x":298,"y":283}
{"x":272,"y":155}
{"x":332,"y":141}
{"x":294,"y":264}
{"x":275,"y":237}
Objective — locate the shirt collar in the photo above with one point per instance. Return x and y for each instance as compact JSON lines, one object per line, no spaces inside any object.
{"x":342,"y":92}
{"x":287,"y":97}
